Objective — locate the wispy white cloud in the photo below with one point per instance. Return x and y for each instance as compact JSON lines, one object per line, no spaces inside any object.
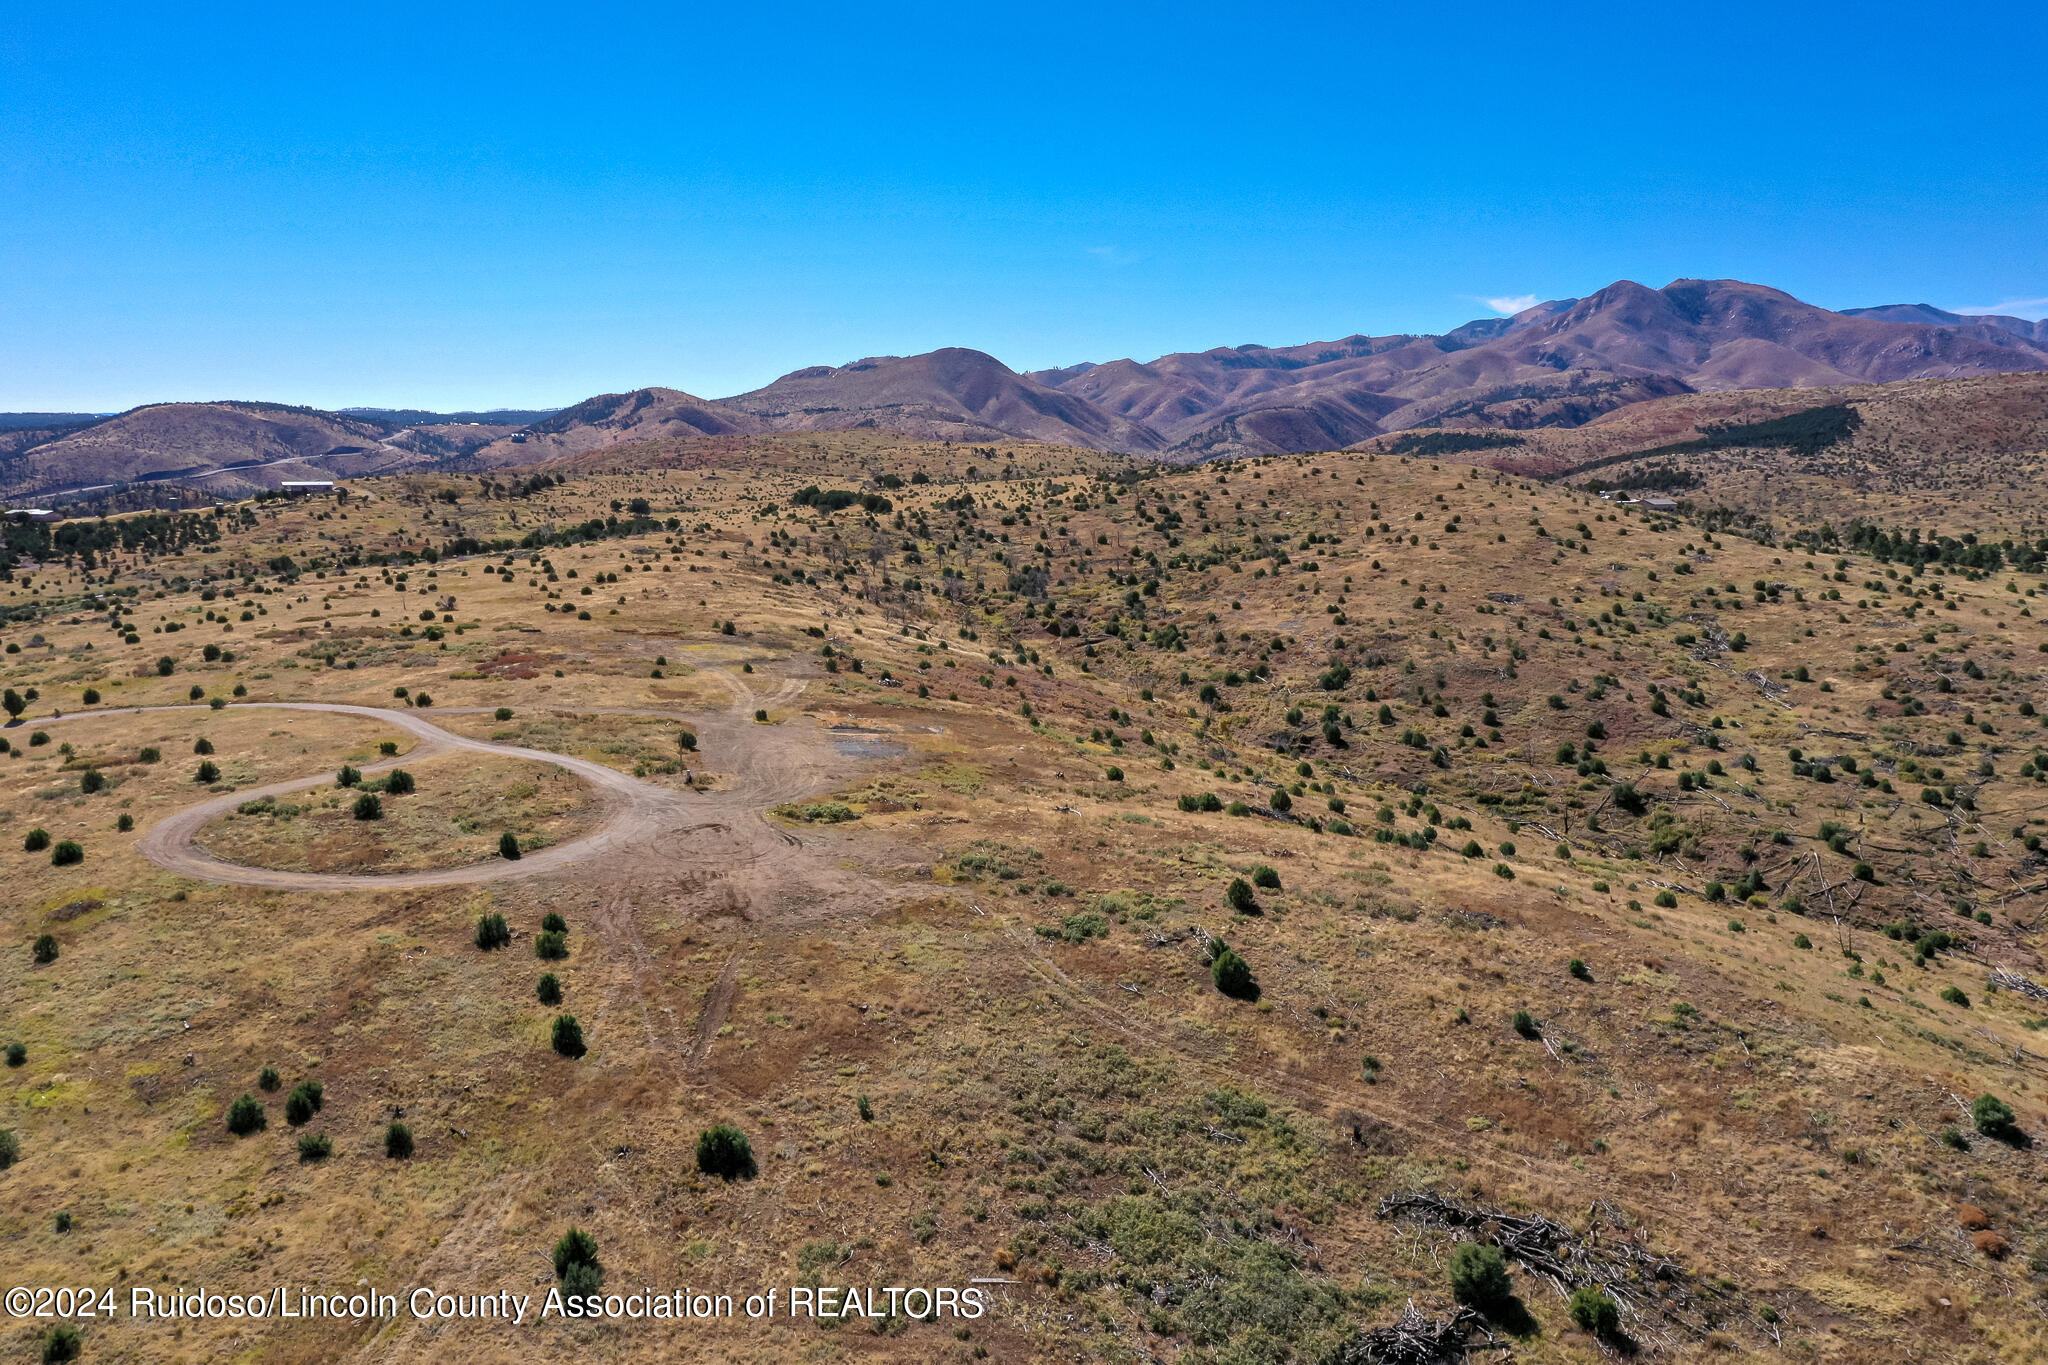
{"x":2012,"y":308}
{"x":1112,"y":255}
{"x":1511,"y":304}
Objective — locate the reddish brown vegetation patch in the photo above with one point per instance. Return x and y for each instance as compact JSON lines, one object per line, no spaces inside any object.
{"x":516,"y":664}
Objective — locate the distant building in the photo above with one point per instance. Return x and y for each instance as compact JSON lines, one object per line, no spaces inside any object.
{"x":301,"y":487}
{"x":34,"y":514}
{"x":1661,"y":504}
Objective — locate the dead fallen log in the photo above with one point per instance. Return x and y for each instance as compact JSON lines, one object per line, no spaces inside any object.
{"x":2019,"y":985}
{"x":1655,"y":1294}
{"x":1418,"y":1339}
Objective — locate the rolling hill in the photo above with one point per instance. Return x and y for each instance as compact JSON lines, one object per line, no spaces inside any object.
{"x":615,"y":419}
{"x":1962,"y":456}
{"x":233,"y":447}
{"x":1193,"y":900}
{"x":950,"y":394}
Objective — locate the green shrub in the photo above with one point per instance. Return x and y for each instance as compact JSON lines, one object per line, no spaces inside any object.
{"x":35,"y":841}
{"x":1479,"y":1276}
{"x":92,"y":780}
{"x":1266,"y":877}
{"x":1238,"y":896}
{"x":369,"y":806}
{"x":66,"y":853}
{"x":10,"y":1148}
{"x":61,"y":1343}
{"x":45,"y":950}
{"x":304,"y":1102}
{"x":1233,"y":976}
{"x":17,"y":1054}
{"x":492,"y":932}
{"x":549,"y":989}
{"x":508,"y":846}
{"x":1525,"y":1024}
{"x":568,"y":1037}
{"x":1954,"y":996}
{"x":503,"y":713}
{"x":553,"y":922}
{"x":347,"y":777}
{"x":398,"y":782}
{"x":208,"y":773}
{"x":246,"y":1116}
{"x":576,"y":1260}
{"x":1579,"y":969}
{"x":551,"y":946}
{"x":1994,"y":1119}
{"x":814,"y":812}
{"x":268,"y":1079}
{"x":1594,"y":1312}
{"x":725,"y":1152}
{"x":398,"y":1141}
{"x":315,"y":1147}
{"x":202,"y":746}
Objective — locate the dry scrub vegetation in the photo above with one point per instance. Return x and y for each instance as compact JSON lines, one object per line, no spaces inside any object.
{"x":1140,"y":887}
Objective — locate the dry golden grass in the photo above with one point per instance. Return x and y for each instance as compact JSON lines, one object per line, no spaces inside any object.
{"x":998,"y":952}
{"x":461,"y":806}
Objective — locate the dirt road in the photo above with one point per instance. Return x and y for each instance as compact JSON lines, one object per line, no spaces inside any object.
{"x":636,"y":814}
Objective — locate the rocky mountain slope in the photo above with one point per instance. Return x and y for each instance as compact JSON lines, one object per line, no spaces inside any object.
{"x":1560,"y":364}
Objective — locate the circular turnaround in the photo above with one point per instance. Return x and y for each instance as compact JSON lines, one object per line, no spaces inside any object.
{"x":634,"y":812}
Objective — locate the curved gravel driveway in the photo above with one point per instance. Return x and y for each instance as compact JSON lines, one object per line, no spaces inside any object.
{"x":635,"y":812}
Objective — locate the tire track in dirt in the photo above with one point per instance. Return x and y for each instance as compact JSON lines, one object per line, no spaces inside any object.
{"x":1311,"y":1094}
{"x":717,"y":1004}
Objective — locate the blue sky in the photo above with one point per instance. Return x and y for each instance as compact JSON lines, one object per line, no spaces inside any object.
{"x":515,"y":204}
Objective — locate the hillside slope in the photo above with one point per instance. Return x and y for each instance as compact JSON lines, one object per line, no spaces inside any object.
{"x":949,"y":394}
{"x":1958,"y":455}
{"x":1140,"y":889}
{"x":189,"y":440}
{"x":615,"y":419}
{"x":1557,"y":364}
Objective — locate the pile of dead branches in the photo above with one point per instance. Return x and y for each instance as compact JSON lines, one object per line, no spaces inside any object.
{"x":2019,"y":985}
{"x":1654,"y":1293}
{"x":1418,"y":1339}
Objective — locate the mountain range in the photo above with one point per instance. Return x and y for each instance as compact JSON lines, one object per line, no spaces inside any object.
{"x":1558,"y":364}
